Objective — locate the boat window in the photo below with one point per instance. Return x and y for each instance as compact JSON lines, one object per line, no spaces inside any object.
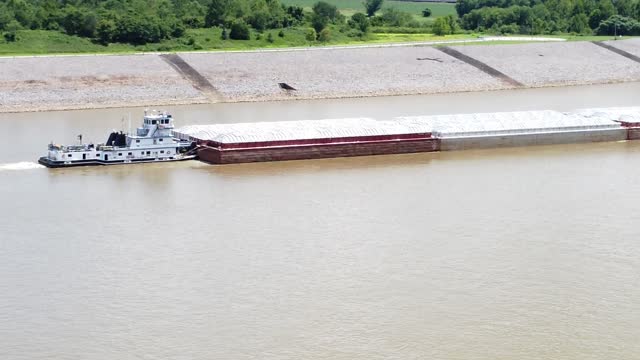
{"x":153,"y":122}
{"x":148,"y":152}
{"x":130,"y":154}
{"x":119,"y":154}
{"x":161,"y":151}
{"x":69,"y":155}
{"x":97,"y":155}
{"x":137,"y":141}
{"x":159,"y":139}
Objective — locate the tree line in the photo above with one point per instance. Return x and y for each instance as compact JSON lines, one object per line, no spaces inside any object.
{"x":141,"y":21}
{"x":148,"y":21}
{"x":602,"y":17}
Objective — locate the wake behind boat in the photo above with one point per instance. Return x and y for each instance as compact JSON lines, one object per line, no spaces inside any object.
{"x":152,"y":142}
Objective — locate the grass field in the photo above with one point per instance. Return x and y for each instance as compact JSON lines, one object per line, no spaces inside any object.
{"x":54,"y":42}
{"x":47,"y":42}
{"x":35,"y":42}
{"x":349,"y":7}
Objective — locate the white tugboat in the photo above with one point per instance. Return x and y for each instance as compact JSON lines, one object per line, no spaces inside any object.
{"x":153,"y":142}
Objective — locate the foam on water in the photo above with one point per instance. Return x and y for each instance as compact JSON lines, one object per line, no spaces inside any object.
{"x":23,"y":165}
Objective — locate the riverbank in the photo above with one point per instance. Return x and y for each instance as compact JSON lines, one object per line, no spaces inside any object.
{"x":77,"y":82}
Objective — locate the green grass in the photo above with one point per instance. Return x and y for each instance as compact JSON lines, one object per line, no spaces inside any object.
{"x":34,"y":42}
{"x":47,"y":42}
{"x":590,"y":37}
{"x":349,"y":7}
{"x":391,"y":38}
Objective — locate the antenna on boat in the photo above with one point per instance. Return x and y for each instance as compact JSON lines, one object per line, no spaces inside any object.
{"x":129,"y":122}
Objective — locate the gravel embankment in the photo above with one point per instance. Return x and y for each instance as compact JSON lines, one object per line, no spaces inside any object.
{"x":73,"y":82}
{"x":631,"y":46}
{"x":338,"y":73}
{"x":570,"y":63}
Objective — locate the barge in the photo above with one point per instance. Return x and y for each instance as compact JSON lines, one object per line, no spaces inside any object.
{"x":314,"y":139}
{"x":152,"y":142}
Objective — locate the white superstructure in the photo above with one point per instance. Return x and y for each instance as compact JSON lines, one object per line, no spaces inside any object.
{"x":151,"y":142}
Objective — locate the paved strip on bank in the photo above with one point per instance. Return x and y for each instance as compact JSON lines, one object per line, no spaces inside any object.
{"x":480,"y":66}
{"x":192,"y":75}
{"x":617,"y":51}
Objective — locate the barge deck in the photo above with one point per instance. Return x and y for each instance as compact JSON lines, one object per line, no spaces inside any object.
{"x":314,"y":139}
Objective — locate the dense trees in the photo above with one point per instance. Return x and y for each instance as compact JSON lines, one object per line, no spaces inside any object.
{"x":145,"y":21}
{"x":134,"y":21}
{"x":549,"y":16}
{"x":323,"y":14}
{"x":372,"y":6}
{"x":360,"y":22}
{"x":618,"y":25}
{"x":445,"y":25}
{"x":394,"y":17}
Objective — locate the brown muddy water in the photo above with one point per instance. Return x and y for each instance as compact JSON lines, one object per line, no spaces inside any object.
{"x":527,"y":253}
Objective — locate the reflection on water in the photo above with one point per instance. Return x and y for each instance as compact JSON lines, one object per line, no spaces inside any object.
{"x":387,"y":162}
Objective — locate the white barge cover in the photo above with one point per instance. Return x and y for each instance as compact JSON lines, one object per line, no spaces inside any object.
{"x":625,"y":114}
{"x":510,"y":123}
{"x":441,"y":126}
{"x":296,"y":130}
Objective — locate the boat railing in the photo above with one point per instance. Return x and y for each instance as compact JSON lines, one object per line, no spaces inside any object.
{"x":71,"y":148}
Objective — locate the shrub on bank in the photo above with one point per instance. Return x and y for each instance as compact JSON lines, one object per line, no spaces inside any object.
{"x":240,"y":31}
{"x":325,"y":35}
{"x":310,"y":34}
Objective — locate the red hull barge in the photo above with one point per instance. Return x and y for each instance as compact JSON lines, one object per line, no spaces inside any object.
{"x":216,"y":153}
{"x":316,"y":139}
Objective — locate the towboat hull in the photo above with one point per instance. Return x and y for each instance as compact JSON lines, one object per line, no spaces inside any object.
{"x":64,"y":164}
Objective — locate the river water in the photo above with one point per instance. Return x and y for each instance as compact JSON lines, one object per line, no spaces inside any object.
{"x":527,"y":253}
